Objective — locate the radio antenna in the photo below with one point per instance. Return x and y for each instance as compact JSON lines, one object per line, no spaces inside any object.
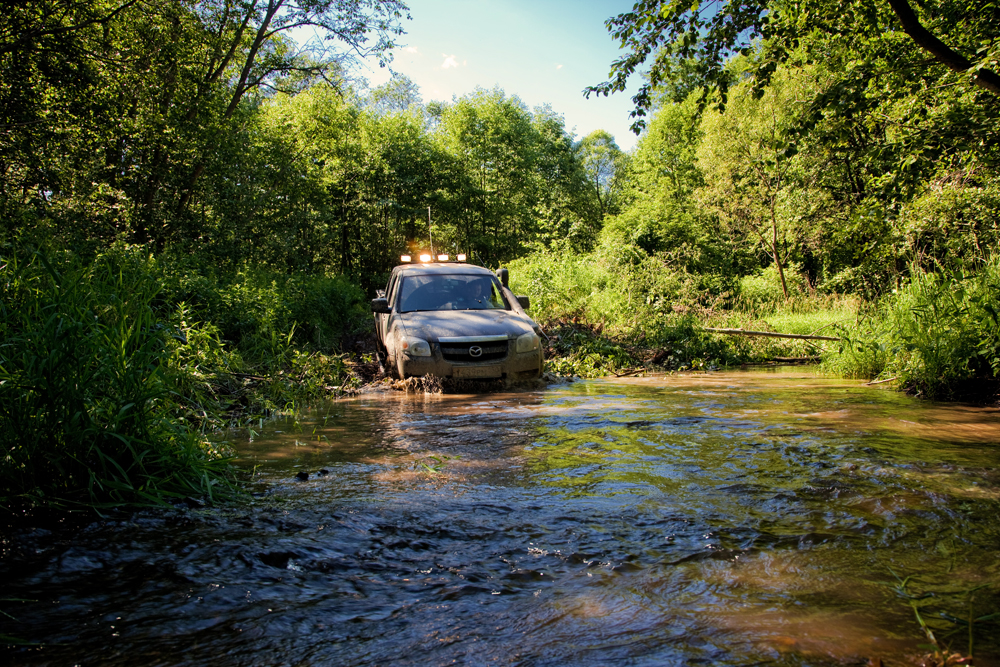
{"x":429,"y":231}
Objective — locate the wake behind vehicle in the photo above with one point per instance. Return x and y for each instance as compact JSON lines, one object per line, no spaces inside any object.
{"x":455,"y":320}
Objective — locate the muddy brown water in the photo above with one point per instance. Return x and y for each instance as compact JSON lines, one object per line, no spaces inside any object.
{"x":724,"y":519}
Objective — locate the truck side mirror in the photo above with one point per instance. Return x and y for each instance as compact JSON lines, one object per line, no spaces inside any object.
{"x":524,"y":301}
{"x":504,"y":276}
{"x":381,"y":305}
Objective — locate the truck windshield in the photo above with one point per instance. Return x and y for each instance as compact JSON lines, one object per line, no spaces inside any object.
{"x":450,"y":292}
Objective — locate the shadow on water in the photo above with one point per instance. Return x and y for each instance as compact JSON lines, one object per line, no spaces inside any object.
{"x":728,"y":519}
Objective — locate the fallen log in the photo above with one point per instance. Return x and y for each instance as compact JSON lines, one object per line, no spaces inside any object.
{"x":868,"y":384}
{"x":772,"y":334}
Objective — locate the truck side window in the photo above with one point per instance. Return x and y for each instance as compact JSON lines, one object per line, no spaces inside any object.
{"x":391,"y":292}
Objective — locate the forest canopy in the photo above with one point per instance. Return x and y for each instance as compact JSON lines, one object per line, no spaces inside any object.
{"x":824,"y":137}
{"x":203,"y":127}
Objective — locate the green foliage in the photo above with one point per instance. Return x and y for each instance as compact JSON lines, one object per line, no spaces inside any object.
{"x":112,"y":371}
{"x":605,"y":165}
{"x":605,"y":311}
{"x":660,"y":215}
{"x":600,"y":288}
{"x":521,"y":183}
{"x":835,"y":142}
{"x":692,"y":43}
{"x":253,"y":308}
{"x":120,"y":108}
{"x":837,"y":160}
{"x":938,"y":335}
{"x":762,"y":291}
{"x":752,"y":180}
{"x":952,"y":226}
{"x":85,"y":392}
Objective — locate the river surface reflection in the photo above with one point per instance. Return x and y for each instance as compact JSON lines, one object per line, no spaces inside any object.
{"x":725,"y":519}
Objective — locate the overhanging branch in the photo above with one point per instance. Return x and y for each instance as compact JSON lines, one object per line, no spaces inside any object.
{"x":983,"y":78}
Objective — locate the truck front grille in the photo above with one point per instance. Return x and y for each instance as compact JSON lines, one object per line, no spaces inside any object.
{"x":491,"y":351}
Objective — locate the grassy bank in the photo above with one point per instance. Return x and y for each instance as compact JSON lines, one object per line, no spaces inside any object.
{"x":606,"y":317}
{"x":114,"y":372}
{"x":937,"y":335}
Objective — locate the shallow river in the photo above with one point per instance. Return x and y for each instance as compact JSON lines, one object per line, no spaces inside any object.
{"x":723,"y":519}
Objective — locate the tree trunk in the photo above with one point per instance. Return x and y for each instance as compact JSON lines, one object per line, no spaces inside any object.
{"x":242,"y":86}
{"x":774,"y":248}
{"x":984,"y":78}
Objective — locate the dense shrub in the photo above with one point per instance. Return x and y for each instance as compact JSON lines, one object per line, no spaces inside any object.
{"x":613,"y":286}
{"x":111,"y":371}
{"x":253,"y":306}
{"x":84,"y":400}
{"x":762,"y":290}
{"x":938,"y":335}
{"x":953,"y":226}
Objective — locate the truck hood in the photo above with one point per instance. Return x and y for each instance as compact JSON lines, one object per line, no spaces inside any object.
{"x":433,"y":325}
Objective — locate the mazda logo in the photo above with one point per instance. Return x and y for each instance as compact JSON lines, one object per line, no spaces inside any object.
{"x":475,"y":351}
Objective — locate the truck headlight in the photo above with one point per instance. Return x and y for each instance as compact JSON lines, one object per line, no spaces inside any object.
{"x":416,"y":347}
{"x":527,"y":342}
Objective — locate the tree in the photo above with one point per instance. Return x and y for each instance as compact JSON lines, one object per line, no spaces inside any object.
{"x":396,"y":95}
{"x":705,"y":36}
{"x":121,"y":104}
{"x":493,"y":138}
{"x":249,"y":43}
{"x":602,"y":160}
{"x":565,"y":211}
{"x":660,"y":215}
{"x":751,"y":178}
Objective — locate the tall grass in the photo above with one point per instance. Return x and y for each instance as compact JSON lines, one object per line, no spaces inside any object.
{"x":84,"y":414}
{"x":643,"y":307}
{"x":113,"y":371}
{"x":260,"y":310}
{"x":939,"y":335}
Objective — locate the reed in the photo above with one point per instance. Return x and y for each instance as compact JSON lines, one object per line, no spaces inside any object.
{"x":84,"y":402}
{"x":938,"y":335}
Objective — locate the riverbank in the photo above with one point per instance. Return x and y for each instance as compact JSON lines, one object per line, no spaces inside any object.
{"x":119,"y":373}
{"x":936,"y":335}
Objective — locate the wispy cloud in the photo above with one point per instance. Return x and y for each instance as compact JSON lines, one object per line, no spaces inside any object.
{"x":558,"y":66}
{"x":410,"y":49}
{"x":449,"y":61}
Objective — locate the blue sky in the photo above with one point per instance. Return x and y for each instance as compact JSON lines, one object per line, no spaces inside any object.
{"x":543,"y":51}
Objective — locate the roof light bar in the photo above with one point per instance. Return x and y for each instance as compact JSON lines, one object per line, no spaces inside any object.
{"x":442,"y":258}
{"x":405,"y":258}
{"x":425,"y":258}
{"x":460,"y":257}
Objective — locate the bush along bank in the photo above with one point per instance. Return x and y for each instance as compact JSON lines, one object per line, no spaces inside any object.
{"x":936,"y":336}
{"x":678,"y":343}
{"x":603,"y":316}
{"x":114,"y":373}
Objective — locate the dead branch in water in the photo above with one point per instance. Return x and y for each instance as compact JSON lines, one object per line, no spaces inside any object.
{"x":772,"y":334}
{"x":868,"y":384}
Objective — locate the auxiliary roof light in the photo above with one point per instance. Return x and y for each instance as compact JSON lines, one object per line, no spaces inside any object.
{"x":405,"y":258}
{"x":460,"y":257}
{"x":442,"y":258}
{"x":425,"y":258}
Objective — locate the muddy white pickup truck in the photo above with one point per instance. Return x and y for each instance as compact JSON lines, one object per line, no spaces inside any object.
{"x":455,"y":320}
